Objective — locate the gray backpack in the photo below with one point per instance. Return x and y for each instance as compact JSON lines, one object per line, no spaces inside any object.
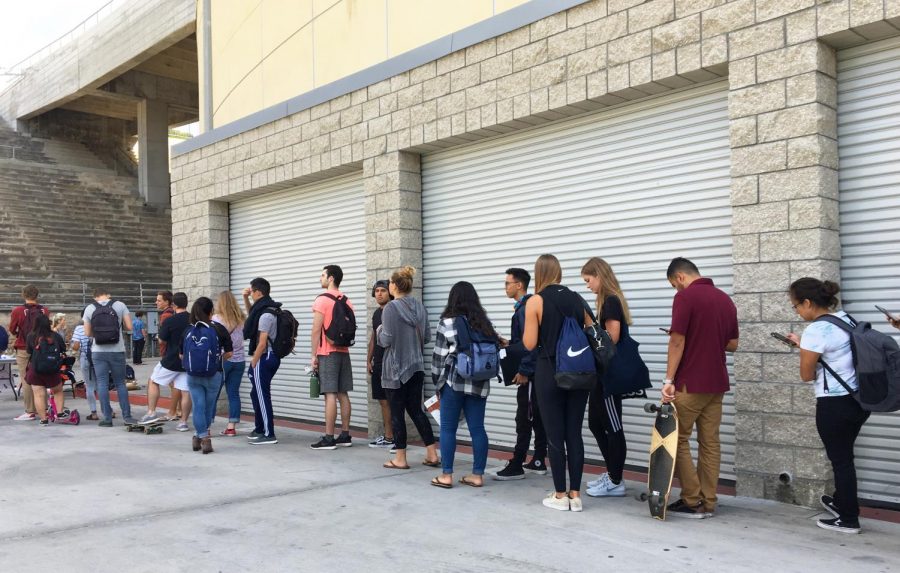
{"x":876,"y":359}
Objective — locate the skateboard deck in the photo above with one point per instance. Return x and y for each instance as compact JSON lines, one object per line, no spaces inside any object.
{"x":151,"y":428}
{"x":663,"y":446}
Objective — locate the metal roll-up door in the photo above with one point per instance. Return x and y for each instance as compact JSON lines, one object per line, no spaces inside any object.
{"x":287,"y":237}
{"x":637,"y":185}
{"x":869,"y":151}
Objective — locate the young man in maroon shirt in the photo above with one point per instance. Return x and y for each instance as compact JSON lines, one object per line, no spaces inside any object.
{"x":704,"y":328}
{"x":21,"y":321}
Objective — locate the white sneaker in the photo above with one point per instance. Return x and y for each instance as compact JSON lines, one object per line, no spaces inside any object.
{"x":607,"y":489}
{"x":575,"y":504}
{"x":559,"y":503}
{"x":595,"y":483}
{"x":24,"y":417}
{"x":182,"y":427}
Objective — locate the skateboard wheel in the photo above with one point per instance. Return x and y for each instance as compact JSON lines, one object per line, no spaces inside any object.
{"x":650,"y":408}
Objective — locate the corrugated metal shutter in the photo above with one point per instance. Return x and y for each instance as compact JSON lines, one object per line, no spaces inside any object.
{"x":869,"y":150}
{"x":287,"y":237}
{"x":637,"y":185}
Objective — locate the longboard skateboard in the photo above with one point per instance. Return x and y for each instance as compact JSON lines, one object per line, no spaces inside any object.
{"x":663,"y":446}
{"x":151,"y":428}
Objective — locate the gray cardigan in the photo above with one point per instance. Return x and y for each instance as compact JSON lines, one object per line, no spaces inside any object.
{"x":403,"y":333}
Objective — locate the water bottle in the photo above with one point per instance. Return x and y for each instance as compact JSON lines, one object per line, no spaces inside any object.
{"x":314,"y":389}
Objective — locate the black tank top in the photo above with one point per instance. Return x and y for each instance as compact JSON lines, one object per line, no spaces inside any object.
{"x":559,"y":302}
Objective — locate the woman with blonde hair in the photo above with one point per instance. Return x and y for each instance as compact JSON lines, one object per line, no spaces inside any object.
{"x":562,"y":410}
{"x":626,"y":370}
{"x":403,"y":334}
{"x":229,"y":314}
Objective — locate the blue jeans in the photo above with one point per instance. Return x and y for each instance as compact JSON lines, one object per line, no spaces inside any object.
{"x":204,"y":391}
{"x":234,"y":375}
{"x":106,"y":363}
{"x":452,"y":403}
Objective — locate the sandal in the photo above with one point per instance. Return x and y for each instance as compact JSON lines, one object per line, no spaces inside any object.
{"x":436,"y":482}
{"x":392,"y":466}
{"x":434,"y":464}
{"x":465,"y":481}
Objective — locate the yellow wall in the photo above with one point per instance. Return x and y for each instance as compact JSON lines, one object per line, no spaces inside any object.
{"x":267,"y":51}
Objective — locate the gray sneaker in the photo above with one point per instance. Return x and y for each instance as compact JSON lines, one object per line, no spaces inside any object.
{"x":182,"y":427}
{"x":150,"y":417}
{"x":263,"y":440}
{"x":129,"y":420}
{"x":105,"y":423}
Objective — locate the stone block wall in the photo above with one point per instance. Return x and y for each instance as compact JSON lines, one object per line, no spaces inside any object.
{"x":779,"y":58}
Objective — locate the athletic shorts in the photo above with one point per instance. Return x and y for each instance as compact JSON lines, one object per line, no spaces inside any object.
{"x":335,"y":374}
{"x":165,"y":377}
{"x":378,"y":392}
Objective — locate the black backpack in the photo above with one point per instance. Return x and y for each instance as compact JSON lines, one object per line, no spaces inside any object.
{"x":105,"y":323}
{"x":342,"y":330}
{"x":4,"y":339}
{"x":46,"y":357}
{"x":286,"y":334}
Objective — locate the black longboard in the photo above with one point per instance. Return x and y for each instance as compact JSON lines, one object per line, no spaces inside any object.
{"x":151,"y":428}
{"x":663,"y":446}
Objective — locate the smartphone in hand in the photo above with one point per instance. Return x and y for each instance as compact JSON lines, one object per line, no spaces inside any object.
{"x":886,"y":313}
{"x":666,"y":330}
{"x":782,"y":339}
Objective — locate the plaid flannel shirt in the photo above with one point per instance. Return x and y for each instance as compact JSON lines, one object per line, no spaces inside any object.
{"x":443,"y":363}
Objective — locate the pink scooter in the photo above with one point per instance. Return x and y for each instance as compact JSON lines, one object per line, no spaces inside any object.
{"x":74,"y":417}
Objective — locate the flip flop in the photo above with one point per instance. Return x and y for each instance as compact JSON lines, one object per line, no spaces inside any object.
{"x":436,"y":482}
{"x":465,"y":481}
{"x":392,"y":466}
{"x":434,"y":464}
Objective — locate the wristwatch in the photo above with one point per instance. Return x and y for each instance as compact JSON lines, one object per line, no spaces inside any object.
{"x":667,"y":381}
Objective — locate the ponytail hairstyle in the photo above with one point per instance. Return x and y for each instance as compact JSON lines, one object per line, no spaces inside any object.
{"x":609,"y":285}
{"x":201,"y":310}
{"x":463,"y":301}
{"x":403,"y":279}
{"x":547,"y":271}
{"x":821,"y":293}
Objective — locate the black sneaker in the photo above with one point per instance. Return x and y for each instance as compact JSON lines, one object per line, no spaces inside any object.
{"x":828,"y":503}
{"x":344,"y":440}
{"x":64,"y":414}
{"x":536,"y":466}
{"x":837,"y":524}
{"x":510,"y":472}
{"x":325,"y":443}
{"x":682,"y":509}
{"x":44,"y":422}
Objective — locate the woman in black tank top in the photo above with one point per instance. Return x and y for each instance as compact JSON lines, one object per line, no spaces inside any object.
{"x":562,"y":410}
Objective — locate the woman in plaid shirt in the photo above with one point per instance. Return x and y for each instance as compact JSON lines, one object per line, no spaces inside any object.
{"x":456,"y":393}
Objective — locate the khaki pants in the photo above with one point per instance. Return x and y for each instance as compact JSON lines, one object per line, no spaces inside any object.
{"x":27,"y":394}
{"x":699,"y":484}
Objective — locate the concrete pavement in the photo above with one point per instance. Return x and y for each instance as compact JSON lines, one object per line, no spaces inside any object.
{"x":87,"y":498}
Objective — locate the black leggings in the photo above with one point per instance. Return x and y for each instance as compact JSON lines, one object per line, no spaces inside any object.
{"x":605,"y":422}
{"x":562,"y":412}
{"x":408,"y":398}
{"x":839,"y":420}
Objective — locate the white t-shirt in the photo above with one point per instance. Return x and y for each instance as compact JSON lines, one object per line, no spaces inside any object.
{"x":834,"y":345}
{"x":121,"y":311}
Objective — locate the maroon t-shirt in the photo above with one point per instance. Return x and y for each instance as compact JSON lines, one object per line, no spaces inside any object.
{"x":707,"y":318}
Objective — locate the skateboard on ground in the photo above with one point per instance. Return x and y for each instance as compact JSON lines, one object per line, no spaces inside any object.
{"x":663,"y":446}
{"x":151,"y":428}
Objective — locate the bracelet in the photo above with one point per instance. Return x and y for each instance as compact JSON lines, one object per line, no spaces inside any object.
{"x":667,"y":381}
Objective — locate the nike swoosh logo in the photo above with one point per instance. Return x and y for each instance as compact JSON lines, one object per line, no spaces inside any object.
{"x":574,"y":354}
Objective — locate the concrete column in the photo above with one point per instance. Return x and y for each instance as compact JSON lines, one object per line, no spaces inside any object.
{"x":153,"y":146}
{"x":393,"y":184}
{"x":200,"y":248}
{"x":785,"y":199}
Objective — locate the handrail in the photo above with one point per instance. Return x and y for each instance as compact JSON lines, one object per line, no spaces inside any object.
{"x":75,"y":293}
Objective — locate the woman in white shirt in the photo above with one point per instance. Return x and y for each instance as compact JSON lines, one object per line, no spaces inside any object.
{"x":839,"y":416}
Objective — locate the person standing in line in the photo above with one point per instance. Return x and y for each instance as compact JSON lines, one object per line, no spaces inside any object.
{"x":204,"y":389}
{"x":704,"y":327}
{"x":331,"y":361}
{"x":164,"y":305}
{"x":81,"y":343}
{"x":457,"y":394}
{"x":169,"y":370}
{"x":605,"y":414}
{"x":103,"y":320}
{"x":839,"y":417}
{"x":21,"y":323}
{"x":562,"y":410}
{"x":229,"y":314}
{"x":375,"y":359}
{"x":41,"y":335}
{"x":403,"y":334}
{"x":58,"y":324}
{"x":261,"y":328}
{"x":138,"y":337}
{"x":528,"y":413}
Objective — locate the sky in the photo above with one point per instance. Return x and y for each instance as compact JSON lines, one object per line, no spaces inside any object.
{"x":32,"y":24}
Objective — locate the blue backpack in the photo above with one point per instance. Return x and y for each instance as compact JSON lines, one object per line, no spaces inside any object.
{"x":201,"y":355}
{"x":478,"y":359}
{"x":575,"y":366}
